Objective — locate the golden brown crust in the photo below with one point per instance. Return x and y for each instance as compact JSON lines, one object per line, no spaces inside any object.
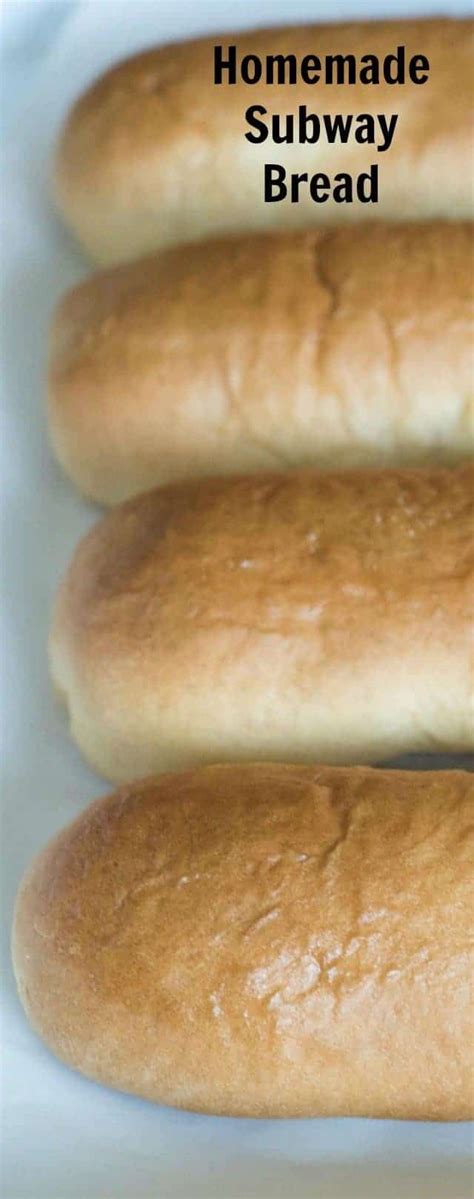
{"x":345,"y":347}
{"x":273,"y":616}
{"x":264,"y":941}
{"x":154,"y":153}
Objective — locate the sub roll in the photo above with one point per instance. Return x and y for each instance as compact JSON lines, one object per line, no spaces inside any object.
{"x":336,"y":348}
{"x":295,"y":616}
{"x":156,"y":152}
{"x":262,"y":940}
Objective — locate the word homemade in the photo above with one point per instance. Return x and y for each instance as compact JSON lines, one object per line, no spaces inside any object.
{"x":303,"y":126}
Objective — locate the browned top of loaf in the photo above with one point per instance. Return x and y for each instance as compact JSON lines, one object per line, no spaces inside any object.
{"x":169,"y":92}
{"x":224,"y":938}
{"x":295,"y":554}
{"x":274,"y":286}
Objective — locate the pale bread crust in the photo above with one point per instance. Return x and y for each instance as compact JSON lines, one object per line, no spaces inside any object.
{"x":263,"y":940}
{"x":155,"y":154}
{"x":342,"y":347}
{"x":295,"y":616}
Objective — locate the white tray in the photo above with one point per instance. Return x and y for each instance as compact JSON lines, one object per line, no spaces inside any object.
{"x":64,"y":1137}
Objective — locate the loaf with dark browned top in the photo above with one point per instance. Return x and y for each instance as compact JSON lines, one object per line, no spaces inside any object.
{"x":262,"y":940}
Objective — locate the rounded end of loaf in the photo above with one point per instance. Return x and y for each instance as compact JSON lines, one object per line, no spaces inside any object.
{"x":98,"y":708}
{"x":76,"y":189}
{"x":88,"y":167}
{"x":85,"y":425}
{"x":113,"y":153}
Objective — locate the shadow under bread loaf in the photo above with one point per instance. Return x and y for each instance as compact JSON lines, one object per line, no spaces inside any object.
{"x":343,"y":347}
{"x":262,"y":940}
{"x":290,"y":616}
{"x":156,"y":153}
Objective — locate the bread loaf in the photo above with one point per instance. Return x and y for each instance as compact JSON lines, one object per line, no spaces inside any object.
{"x":347,"y":347}
{"x":298,"y":617}
{"x":156,"y":153}
{"x":262,"y":940}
